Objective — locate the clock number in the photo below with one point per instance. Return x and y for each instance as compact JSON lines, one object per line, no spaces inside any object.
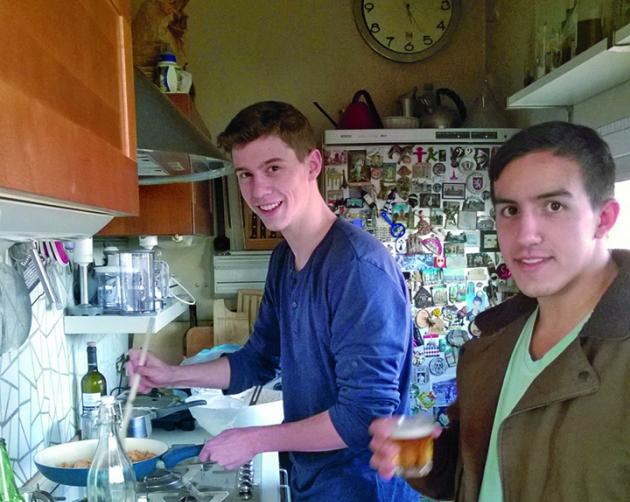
{"x":389,"y":41}
{"x":375,"y":28}
{"x":409,"y":47}
{"x":427,"y":40}
{"x":368,"y":6}
{"x":446,"y":5}
{"x":441,"y":26}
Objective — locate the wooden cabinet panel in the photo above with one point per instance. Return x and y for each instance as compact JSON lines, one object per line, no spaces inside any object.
{"x":180,"y":208}
{"x":67,"y":131}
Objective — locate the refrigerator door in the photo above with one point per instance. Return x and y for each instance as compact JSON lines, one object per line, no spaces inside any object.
{"x":438,"y":191}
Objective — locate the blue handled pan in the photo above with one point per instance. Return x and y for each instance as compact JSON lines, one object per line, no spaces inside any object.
{"x":48,"y":461}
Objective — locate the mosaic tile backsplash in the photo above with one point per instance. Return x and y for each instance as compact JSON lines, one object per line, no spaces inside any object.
{"x":39,"y":381}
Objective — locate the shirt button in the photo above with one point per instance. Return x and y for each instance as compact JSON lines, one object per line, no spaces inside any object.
{"x":294,"y":305}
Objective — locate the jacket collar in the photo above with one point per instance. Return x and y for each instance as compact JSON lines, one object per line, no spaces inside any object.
{"x":610,"y":319}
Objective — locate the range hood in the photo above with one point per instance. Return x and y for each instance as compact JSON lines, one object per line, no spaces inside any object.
{"x":171,"y":149}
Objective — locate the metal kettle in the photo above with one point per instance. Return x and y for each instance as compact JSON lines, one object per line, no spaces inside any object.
{"x":434,"y":114}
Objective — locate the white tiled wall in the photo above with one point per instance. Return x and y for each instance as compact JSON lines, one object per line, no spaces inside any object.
{"x":39,"y":381}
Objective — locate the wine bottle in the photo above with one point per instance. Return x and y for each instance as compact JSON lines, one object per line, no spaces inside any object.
{"x":111,"y":477}
{"x":93,"y":384}
{"x":8,"y":489}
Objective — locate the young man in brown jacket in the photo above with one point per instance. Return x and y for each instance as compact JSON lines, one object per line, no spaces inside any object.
{"x":543,"y":410}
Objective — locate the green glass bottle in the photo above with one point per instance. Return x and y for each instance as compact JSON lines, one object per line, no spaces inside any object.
{"x":93,"y":384}
{"x":8,"y":488}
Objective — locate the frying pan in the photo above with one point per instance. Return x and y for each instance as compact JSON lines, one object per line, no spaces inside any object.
{"x":48,"y":460}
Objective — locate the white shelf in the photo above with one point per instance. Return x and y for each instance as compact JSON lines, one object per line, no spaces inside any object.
{"x":595,"y":70}
{"x":75,"y":325}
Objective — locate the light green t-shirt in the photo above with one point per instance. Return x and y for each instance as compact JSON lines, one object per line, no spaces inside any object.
{"x":521,"y":372}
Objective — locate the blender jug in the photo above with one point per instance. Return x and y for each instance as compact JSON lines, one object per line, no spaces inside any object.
{"x":137,"y":282}
{"x":162,"y":280}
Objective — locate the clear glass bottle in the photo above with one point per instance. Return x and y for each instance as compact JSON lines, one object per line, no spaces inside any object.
{"x":8,"y":489}
{"x":111,"y":477}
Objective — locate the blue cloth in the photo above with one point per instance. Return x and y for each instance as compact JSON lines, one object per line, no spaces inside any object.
{"x":341,"y":331}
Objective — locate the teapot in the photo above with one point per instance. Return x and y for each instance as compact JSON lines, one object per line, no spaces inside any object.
{"x":433,"y":114}
{"x":359,"y":114}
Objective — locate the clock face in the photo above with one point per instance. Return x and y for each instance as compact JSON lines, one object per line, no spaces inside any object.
{"x":406,"y":31}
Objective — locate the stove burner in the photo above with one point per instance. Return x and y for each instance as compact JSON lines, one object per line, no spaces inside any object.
{"x":162,"y":480}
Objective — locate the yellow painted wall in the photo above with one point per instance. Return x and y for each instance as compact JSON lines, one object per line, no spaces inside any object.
{"x":300,"y":51}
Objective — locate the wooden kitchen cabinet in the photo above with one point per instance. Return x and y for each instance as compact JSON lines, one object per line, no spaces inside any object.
{"x":176,"y":208}
{"x":67,"y":127}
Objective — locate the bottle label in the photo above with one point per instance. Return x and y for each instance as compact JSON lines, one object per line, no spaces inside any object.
{"x":91,"y":400}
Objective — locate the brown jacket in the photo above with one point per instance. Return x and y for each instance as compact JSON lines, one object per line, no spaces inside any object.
{"x":568,"y":438}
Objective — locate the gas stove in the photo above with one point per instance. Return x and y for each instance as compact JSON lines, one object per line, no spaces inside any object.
{"x":261,"y":480}
{"x":204,"y":481}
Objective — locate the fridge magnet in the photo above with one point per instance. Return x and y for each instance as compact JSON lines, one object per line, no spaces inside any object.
{"x":335,"y":196}
{"x":426,"y":400}
{"x":467,"y":164}
{"x":440,"y":413}
{"x":433,"y":245}
{"x":488,"y":241}
{"x":404,"y":171}
{"x":422,"y":298}
{"x":473,"y":204}
{"x":485,"y":223}
{"x":421,"y":375}
{"x":457,"y":152}
{"x":476,"y":183}
{"x":485,"y":195}
{"x":430,"y":200}
{"x":472,"y":238}
{"x":334,"y":157}
{"x":503,"y":272}
{"x":422,"y":170}
{"x":385,"y":190}
{"x":453,"y":190}
{"x":423,"y":226}
{"x":436,"y":218}
{"x":455,"y":237}
{"x":358,"y":170}
{"x":374,"y":159}
{"x":445,"y":392}
{"x":389,"y":172}
{"x":457,"y":337}
{"x":440,"y":294}
{"x":403,"y":186}
{"x":401,"y":245}
{"x":399,"y":150}
{"x":334,"y":178}
{"x":431,"y":276}
{"x":474,"y":260}
{"x":451,"y":248}
{"x":439,"y":169}
{"x":376,"y":173}
{"x":482,"y":158}
{"x":467,"y":220}
{"x":354,"y":202}
{"x":437,"y":365}
{"x":437,"y":188}
{"x":439,"y":261}
{"x":457,"y":292}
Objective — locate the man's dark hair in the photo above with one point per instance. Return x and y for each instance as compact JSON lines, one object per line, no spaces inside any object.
{"x":270,"y":118}
{"x":580,"y":143}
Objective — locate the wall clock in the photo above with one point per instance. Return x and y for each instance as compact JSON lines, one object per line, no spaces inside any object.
{"x":406,"y":31}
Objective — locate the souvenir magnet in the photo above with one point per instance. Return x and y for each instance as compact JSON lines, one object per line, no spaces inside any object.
{"x":503,"y":271}
{"x":397,"y":230}
{"x":437,"y":366}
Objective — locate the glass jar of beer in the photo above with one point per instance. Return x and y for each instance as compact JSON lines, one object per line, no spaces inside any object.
{"x":414,"y":435}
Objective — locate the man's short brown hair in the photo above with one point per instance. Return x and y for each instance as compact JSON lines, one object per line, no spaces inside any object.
{"x":270,"y":118}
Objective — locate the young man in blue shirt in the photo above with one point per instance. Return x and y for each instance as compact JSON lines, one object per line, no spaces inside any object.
{"x":335,"y":318}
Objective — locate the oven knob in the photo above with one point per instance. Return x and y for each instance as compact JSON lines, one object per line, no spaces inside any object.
{"x":245,"y":490}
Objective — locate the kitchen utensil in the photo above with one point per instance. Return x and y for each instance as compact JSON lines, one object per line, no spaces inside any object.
{"x":221,"y":242}
{"x":436,"y":115}
{"x":135,"y":381}
{"x":48,"y":460}
{"x":140,"y":421}
{"x":408,"y":103}
{"x":137,"y":282}
{"x":255,"y":395}
{"x":49,"y":289}
{"x":359,"y":114}
{"x":15,"y":309}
